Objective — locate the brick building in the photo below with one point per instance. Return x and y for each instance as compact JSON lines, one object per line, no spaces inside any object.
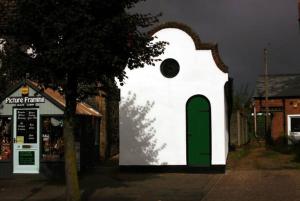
{"x":283,"y":103}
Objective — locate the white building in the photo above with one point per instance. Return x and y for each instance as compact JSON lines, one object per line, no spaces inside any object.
{"x":174,"y":113}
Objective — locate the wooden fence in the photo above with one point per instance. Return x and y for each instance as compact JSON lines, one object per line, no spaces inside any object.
{"x":239,"y":132}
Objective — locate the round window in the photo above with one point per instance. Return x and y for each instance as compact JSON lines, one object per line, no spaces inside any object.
{"x":169,"y":68}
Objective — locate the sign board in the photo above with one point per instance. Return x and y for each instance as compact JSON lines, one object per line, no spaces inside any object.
{"x":26,"y":158}
{"x":26,"y":126}
{"x":20,"y":139}
{"x":24,"y":100}
{"x":25,"y":90}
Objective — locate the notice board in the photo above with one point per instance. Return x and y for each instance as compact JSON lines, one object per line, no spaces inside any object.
{"x":26,"y":126}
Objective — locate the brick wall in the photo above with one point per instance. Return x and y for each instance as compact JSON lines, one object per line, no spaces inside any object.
{"x":277,"y":126}
{"x":108,"y":105}
{"x":271,"y":103}
{"x":279,"y":120}
{"x":292,"y":106}
{"x":101,"y":105}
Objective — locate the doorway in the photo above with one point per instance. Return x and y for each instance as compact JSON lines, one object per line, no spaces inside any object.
{"x":198,"y":120}
{"x":26,"y":140}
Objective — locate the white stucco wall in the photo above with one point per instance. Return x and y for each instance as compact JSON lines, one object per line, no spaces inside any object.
{"x":198,"y":74}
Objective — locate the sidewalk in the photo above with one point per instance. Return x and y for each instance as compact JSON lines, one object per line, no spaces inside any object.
{"x":252,"y":177}
{"x":257,"y":185}
{"x":111,"y":185}
{"x":30,"y":187}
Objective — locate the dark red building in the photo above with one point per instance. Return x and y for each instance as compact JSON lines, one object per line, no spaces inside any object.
{"x":283,"y":104}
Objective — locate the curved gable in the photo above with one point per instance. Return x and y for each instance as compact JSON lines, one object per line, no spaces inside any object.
{"x":197,"y":42}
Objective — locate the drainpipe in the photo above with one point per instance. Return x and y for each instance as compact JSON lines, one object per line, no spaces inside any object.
{"x":284,"y":118}
{"x":238,"y":127}
{"x":255,"y":121}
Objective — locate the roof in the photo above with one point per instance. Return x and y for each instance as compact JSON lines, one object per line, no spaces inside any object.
{"x":81,"y":108}
{"x":280,"y":85}
{"x":199,"y":45}
{"x":58,"y":99}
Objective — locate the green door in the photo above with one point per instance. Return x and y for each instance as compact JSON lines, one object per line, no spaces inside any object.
{"x":198,"y":131}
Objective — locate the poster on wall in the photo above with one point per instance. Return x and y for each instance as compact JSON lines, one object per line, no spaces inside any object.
{"x":26,"y":158}
{"x":26,"y":126}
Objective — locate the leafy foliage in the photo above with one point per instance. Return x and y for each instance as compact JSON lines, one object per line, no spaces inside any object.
{"x":89,"y":40}
{"x":75,"y":44}
{"x":242,"y":98}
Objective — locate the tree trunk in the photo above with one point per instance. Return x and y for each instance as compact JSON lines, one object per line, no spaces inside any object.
{"x":72,"y":184}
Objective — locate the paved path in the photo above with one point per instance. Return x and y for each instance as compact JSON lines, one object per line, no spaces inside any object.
{"x":257,"y":185}
{"x":259,"y":176}
{"x":154,"y":187}
{"x":111,"y":185}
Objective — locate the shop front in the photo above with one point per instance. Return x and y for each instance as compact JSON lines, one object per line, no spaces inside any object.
{"x":31,"y":132}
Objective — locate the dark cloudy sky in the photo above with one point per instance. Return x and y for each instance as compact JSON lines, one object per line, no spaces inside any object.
{"x":242,"y":28}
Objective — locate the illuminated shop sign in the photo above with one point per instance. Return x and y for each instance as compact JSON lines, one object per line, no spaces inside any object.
{"x":25,"y":90}
{"x":24,"y":100}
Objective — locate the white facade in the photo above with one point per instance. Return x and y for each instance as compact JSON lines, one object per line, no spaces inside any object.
{"x":198,"y":75}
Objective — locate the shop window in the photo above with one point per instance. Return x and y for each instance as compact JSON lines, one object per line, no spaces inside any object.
{"x":5,"y":138}
{"x":295,"y":124}
{"x":52,"y":138}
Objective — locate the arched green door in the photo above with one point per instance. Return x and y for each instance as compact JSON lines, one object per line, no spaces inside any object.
{"x":198,"y":131}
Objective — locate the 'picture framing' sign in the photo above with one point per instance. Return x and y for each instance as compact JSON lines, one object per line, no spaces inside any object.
{"x":24,"y":100}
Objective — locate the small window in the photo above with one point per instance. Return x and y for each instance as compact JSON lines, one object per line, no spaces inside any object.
{"x":169,"y":68}
{"x":52,"y":134}
{"x":5,"y":138}
{"x":295,"y":124}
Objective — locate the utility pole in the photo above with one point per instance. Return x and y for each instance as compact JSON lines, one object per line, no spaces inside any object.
{"x":266,"y":91}
{"x":299,"y":12}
